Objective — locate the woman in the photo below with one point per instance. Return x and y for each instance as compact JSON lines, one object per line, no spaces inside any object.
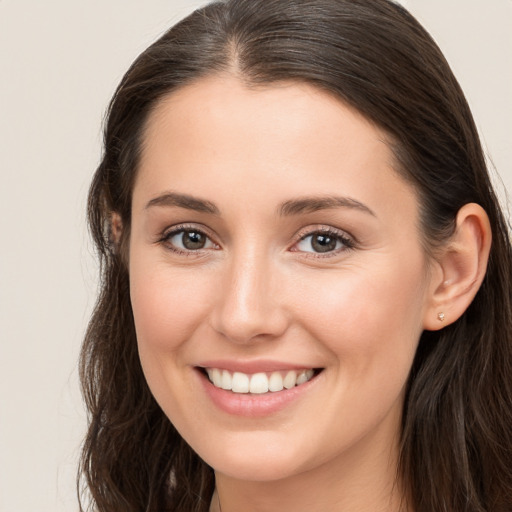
{"x":306,"y":294}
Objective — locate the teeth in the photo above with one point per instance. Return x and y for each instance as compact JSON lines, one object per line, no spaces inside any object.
{"x":290,"y":380}
{"x":240,"y":383}
{"x":226,"y":382}
{"x":258,"y":383}
{"x":216,"y":377}
{"x":275,"y":383}
{"x":302,"y":377}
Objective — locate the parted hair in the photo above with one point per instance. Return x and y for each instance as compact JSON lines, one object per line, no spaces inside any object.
{"x":456,"y":433}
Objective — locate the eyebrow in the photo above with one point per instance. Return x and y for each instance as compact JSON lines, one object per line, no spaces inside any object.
{"x":315,"y":203}
{"x":183,"y":201}
{"x":288,"y":208}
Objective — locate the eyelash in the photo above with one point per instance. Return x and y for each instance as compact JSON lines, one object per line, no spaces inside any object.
{"x":347,"y":242}
{"x":176,"y":230}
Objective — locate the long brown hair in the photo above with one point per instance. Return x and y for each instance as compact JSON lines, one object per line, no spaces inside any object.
{"x":456,"y":439}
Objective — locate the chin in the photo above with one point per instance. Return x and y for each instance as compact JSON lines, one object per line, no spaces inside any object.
{"x":260,"y":470}
{"x":257,"y":461}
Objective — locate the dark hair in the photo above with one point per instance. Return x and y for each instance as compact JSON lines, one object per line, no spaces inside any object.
{"x":456,"y":439}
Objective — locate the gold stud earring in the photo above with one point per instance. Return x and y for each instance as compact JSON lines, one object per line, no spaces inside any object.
{"x":440,"y":317}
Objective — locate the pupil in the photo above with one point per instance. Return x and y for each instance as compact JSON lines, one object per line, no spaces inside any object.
{"x":323,"y":243}
{"x":193,"y":240}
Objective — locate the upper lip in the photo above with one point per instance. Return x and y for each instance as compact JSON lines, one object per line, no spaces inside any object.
{"x":251,"y":367}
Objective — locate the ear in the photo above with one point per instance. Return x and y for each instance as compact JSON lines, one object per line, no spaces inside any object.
{"x":116,"y":229}
{"x":459,"y":268}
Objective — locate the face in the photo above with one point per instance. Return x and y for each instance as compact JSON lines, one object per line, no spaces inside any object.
{"x":275,"y":252}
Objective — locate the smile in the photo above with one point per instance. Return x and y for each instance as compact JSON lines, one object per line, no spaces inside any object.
{"x":258,"y":383}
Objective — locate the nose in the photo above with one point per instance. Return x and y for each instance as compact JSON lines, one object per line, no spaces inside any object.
{"x":250,"y":304}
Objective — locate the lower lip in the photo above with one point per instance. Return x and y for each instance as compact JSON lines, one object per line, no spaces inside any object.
{"x":254,"y":405}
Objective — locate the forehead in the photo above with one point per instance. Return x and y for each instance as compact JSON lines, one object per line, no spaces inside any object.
{"x":291,"y":138}
{"x":277,"y":112}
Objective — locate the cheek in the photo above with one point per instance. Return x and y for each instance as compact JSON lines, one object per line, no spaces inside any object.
{"x":371,"y":326}
{"x":167,"y":306}
{"x":370,"y":320}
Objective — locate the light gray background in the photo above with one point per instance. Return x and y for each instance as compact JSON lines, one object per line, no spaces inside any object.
{"x":60,"y":61}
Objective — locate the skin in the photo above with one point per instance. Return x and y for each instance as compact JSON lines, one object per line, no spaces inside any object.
{"x":257,"y":290}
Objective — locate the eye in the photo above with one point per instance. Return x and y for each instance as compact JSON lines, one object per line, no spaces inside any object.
{"x":323,"y":242}
{"x":186,"y":240}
